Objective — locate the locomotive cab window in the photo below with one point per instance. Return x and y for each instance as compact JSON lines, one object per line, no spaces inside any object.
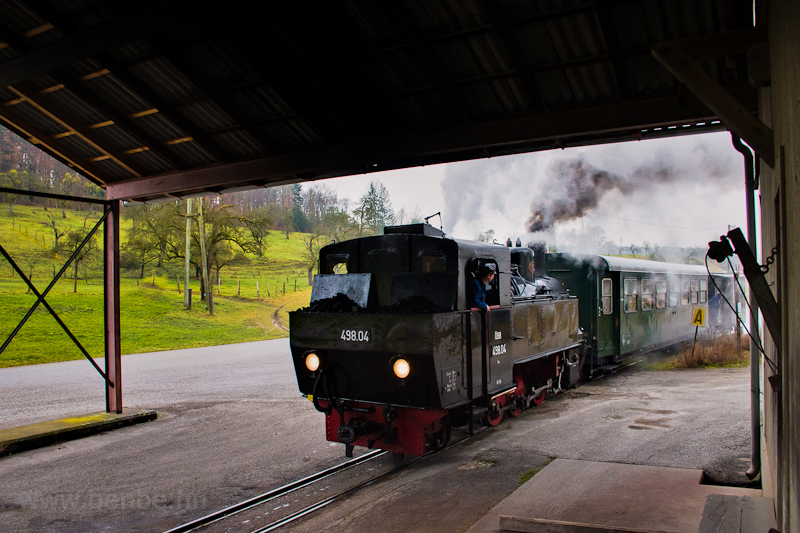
{"x":432,"y":263}
{"x":337,"y":264}
{"x":661,"y":294}
{"x":608,"y":300}
{"x":647,"y":294}
{"x":694,"y":296}
{"x":477,"y":267}
{"x":631,"y":288}
{"x":703,"y":290}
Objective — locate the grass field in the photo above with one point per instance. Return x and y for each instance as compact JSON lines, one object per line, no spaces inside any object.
{"x":153,"y":317}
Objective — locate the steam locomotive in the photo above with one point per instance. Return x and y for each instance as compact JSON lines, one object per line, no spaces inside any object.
{"x":391,"y":352}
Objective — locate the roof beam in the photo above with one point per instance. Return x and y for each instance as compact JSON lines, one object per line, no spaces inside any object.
{"x":47,"y":143}
{"x":144,"y":138}
{"x":732,"y":113}
{"x":84,"y":133}
{"x":464,"y":142}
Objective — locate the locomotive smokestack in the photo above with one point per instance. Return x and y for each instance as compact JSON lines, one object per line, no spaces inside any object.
{"x":539,"y":249}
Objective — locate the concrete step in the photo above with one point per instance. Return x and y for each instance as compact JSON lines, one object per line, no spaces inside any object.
{"x":737,"y":514}
{"x":571,"y":496}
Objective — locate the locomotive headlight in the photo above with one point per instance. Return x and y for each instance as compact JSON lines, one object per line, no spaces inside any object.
{"x":312,"y":362}
{"x":401,"y":368}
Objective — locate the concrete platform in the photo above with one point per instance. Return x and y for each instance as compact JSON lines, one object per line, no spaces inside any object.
{"x":585,"y":496}
{"x":22,"y":438}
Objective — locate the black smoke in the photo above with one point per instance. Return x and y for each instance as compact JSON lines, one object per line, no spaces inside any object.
{"x":577,"y":188}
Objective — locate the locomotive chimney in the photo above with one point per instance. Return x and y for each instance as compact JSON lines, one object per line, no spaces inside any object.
{"x":539,"y":249}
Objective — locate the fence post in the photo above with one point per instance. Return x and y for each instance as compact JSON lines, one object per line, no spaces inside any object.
{"x":238,"y":287}
{"x":284,"y":287}
{"x":258,"y":291}
{"x":189,"y":299}
{"x":295,"y":285}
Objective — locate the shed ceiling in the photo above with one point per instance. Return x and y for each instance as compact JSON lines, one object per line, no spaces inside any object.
{"x":156,"y":98}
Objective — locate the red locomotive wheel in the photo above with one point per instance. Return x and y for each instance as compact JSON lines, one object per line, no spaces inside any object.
{"x":495,"y":414}
{"x":519,"y":396}
{"x":539,"y":398}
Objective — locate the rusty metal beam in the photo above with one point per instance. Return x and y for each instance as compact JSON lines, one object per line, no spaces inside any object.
{"x":113,"y":348}
{"x":465,"y":142}
{"x":736,"y":116}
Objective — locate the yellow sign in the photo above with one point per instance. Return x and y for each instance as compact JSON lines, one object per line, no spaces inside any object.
{"x":699,"y":317}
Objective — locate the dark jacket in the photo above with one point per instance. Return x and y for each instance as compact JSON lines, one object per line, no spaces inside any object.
{"x":478,"y":294}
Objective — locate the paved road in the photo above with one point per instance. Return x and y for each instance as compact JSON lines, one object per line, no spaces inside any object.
{"x":232,"y":424}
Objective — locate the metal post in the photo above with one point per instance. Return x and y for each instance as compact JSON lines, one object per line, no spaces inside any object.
{"x":755,"y":374}
{"x":187,"y":300}
{"x":112,"y":332}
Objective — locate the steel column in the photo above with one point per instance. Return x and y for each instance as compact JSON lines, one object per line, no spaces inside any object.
{"x":112,"y":329}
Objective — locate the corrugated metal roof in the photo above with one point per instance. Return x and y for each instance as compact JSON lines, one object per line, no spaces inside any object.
{"x":311,"y":89}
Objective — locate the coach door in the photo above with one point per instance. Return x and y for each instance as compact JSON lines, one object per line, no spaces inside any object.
{"x":608,"y":300}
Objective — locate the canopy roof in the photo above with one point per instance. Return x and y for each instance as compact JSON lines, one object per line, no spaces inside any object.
{"x":155,"y":98}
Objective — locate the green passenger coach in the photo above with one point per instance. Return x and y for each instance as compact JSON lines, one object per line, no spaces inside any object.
{"x":632,"y":306}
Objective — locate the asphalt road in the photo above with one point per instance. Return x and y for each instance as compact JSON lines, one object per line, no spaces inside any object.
{"x":232,"y":425}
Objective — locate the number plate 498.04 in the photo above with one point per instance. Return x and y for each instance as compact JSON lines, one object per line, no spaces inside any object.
{"x":355,"y":335}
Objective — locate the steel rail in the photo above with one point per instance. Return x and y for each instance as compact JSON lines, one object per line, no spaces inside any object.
{"x":280,"y":491}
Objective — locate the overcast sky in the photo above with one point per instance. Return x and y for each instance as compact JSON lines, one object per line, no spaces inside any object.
{"x":680,"y":191}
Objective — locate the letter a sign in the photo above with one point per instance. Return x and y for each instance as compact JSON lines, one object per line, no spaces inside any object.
{"x":699,"y":317}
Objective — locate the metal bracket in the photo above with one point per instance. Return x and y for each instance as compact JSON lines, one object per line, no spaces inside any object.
{"x":721,"y":249}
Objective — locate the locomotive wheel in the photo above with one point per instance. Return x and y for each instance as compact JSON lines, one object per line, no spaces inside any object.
{"x":495,"y":414}
{"x":539,"y":398}
{"x":441,"y":438}
{"x":519,"y":398}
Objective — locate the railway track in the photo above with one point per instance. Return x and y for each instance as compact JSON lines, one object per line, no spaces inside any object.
{"x":286,"y":504}
{"x":283,"y":505}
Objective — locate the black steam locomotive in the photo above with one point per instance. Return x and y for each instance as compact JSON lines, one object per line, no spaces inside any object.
{"x":392,"y":353}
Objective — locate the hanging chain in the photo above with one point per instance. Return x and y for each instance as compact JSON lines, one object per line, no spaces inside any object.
{"x":771,"y":258}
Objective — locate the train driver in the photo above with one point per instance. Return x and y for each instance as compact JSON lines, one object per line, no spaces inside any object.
{"x":478,"y":286}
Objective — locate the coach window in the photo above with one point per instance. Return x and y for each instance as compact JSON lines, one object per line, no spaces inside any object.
{"x":631,"y":288}
{"x":647,"y":294}
{"x":684,"y":291}
{"x":695,"y":291}
{"x":703,"y":290}
{"x":674,"y":292}
{"x":337,"y":264}
{"x":608,"y":301}
{"x":661,"y":294}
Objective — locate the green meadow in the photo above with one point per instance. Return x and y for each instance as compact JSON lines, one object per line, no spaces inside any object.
{"x":153,"y":317}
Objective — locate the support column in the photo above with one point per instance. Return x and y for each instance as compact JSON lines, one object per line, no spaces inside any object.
{"x":112,"y":332}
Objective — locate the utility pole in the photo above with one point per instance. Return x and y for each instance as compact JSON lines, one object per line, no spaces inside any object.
{"x":203,"y":257}
{"x":188,"y":252}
